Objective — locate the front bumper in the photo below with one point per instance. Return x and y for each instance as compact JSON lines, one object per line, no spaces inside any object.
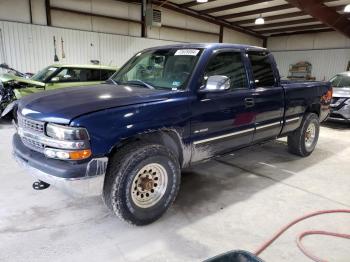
{"x":75,"y":179}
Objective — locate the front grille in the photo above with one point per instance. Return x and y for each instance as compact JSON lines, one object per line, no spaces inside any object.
{"x":30,"y":125}
{"x":32,"y":144}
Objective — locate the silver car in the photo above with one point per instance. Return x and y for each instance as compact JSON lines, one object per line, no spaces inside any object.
{"x":340,"y":106}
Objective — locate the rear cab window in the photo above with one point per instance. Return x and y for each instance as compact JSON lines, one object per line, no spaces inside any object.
{"x":262,"y":69}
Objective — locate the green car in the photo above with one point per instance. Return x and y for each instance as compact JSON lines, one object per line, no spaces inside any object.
{"x":13,"y":87}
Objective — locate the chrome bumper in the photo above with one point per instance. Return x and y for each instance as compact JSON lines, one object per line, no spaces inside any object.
{"x":89,"y":185}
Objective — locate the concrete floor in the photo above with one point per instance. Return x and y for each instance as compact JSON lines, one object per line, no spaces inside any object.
{"x":236,"y":202}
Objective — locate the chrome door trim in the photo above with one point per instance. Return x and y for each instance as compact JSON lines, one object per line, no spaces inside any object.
{"x":292,"y":119}
{"x":268,"y":125}
{"x":223,"y":136}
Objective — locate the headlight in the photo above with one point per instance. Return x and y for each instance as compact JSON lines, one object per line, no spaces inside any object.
{"x":67,"y":154}
{"x":66,"y":133}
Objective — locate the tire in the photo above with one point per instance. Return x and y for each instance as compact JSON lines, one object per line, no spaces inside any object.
{"x":142,"y":181}
{"x":302,"y":141}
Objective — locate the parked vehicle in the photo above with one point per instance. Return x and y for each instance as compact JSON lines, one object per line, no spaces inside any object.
{"x":167,"y":108}
{"x":15,"y":85}
{"x":13,"y":71}
{"x":340,"y":106}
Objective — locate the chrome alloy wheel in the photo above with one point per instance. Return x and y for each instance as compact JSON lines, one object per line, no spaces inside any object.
{"x":149,"y":185}
{"x":310,"y":135}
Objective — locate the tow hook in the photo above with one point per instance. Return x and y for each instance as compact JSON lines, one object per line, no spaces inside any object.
{"x":40,"y":185}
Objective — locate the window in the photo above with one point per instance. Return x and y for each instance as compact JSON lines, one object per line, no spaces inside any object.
{"x":262,"y":69}
{"x":228,"y":64}
{"x":93,"y":74}
{"x":341,"y":80}
{"x":82,"y":75}
{"x":68,"y":75}
{"x":167,"y":68}
{"x":44,"y":74}
{"x":105,"y":74}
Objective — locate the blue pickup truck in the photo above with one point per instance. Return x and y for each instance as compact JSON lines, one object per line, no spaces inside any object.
{"x":166,"y":109}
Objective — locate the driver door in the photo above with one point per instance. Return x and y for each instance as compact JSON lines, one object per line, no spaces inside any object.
{"x":223,"y":120}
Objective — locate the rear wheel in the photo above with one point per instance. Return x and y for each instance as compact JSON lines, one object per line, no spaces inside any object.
{"x":303,"y":141}
{"x":141,"y":183}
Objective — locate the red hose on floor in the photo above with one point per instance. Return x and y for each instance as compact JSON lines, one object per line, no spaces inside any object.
{"x":300,"y":246}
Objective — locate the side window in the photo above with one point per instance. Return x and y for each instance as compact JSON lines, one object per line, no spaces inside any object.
{"x":105,"y":74}
{"x":262,"y":69}
{"x":94,"y":75}
{"x":67,"y":75}
{"x":228,"y":64}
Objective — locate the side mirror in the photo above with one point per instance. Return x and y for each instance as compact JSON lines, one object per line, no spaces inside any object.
{"x":54,"y":79}
{"x":216,"y":83}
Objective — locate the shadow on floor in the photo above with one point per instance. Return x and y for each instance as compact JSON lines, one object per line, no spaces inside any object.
{"x":337,"y":125}
{"x":213,"y":185}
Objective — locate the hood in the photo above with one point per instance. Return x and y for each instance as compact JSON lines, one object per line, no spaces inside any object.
{"x":341,"y":92}
{"x":63,"y":105}
{"x":9,"y":77}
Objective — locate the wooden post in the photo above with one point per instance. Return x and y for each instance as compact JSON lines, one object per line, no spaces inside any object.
{"x":48,"y":12}
{"x":221,"y":36}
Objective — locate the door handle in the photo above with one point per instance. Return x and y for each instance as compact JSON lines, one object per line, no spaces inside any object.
{"x":249,"y":102}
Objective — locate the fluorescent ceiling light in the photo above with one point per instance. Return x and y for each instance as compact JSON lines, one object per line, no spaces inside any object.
{"x":260,"y":20}
{"x":202,"y":1}
{"x":347,"y":8}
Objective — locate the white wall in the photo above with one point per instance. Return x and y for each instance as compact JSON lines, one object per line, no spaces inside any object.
{"x":235,"y":37}
{"x":18,"y":10}
{"x":329,"y":52}
{"x":29,"y":48}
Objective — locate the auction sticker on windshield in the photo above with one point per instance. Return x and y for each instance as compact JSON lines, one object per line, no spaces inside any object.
{"x":191,"y":52}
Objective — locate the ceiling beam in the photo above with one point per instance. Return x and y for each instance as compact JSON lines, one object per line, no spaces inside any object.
{"x":292,"y":29}
{"x":304,"y":32}
{"x":271,"y":18}
{"x":286,"y":23}
{"x":283,"y":16}
{"x":257,"y":12}
{"x":194,"y":3}
{"x":325,"y":14}
{"x":232,"y":6}
{"x":207,"y":18}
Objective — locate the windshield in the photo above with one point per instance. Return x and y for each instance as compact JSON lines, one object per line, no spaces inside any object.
{"x":341,"y":81}
{"x":160,"y":69}
{"x":44,"y":74}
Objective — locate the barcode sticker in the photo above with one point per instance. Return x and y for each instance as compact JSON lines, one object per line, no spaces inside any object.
{"x":192,"y":52}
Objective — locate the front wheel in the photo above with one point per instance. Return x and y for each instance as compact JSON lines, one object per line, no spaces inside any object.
{"x":141,"y":183}
{"x":303,"y":141}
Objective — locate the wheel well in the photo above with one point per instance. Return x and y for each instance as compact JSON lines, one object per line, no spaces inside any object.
{"x":314,"y":108}
{"x":168,"y":138}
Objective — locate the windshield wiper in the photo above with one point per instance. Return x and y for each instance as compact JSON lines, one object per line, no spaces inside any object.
{"x":140,"y":82}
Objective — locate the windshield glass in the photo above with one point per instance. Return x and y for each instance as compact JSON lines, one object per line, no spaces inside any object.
{"x":44,"y":74}
{"x":341,"y":81}
{"x":161,"y":69}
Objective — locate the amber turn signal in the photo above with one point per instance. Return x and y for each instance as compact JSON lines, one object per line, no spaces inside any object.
{"x":79,"y":155}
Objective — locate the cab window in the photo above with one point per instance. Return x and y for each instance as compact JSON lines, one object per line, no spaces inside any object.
{"x":228,"y":64}
{"x":262,"y":69}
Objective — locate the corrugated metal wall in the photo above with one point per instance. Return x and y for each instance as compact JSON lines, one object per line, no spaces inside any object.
{"x":30,"y":48}
{"x":325,"y":63}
